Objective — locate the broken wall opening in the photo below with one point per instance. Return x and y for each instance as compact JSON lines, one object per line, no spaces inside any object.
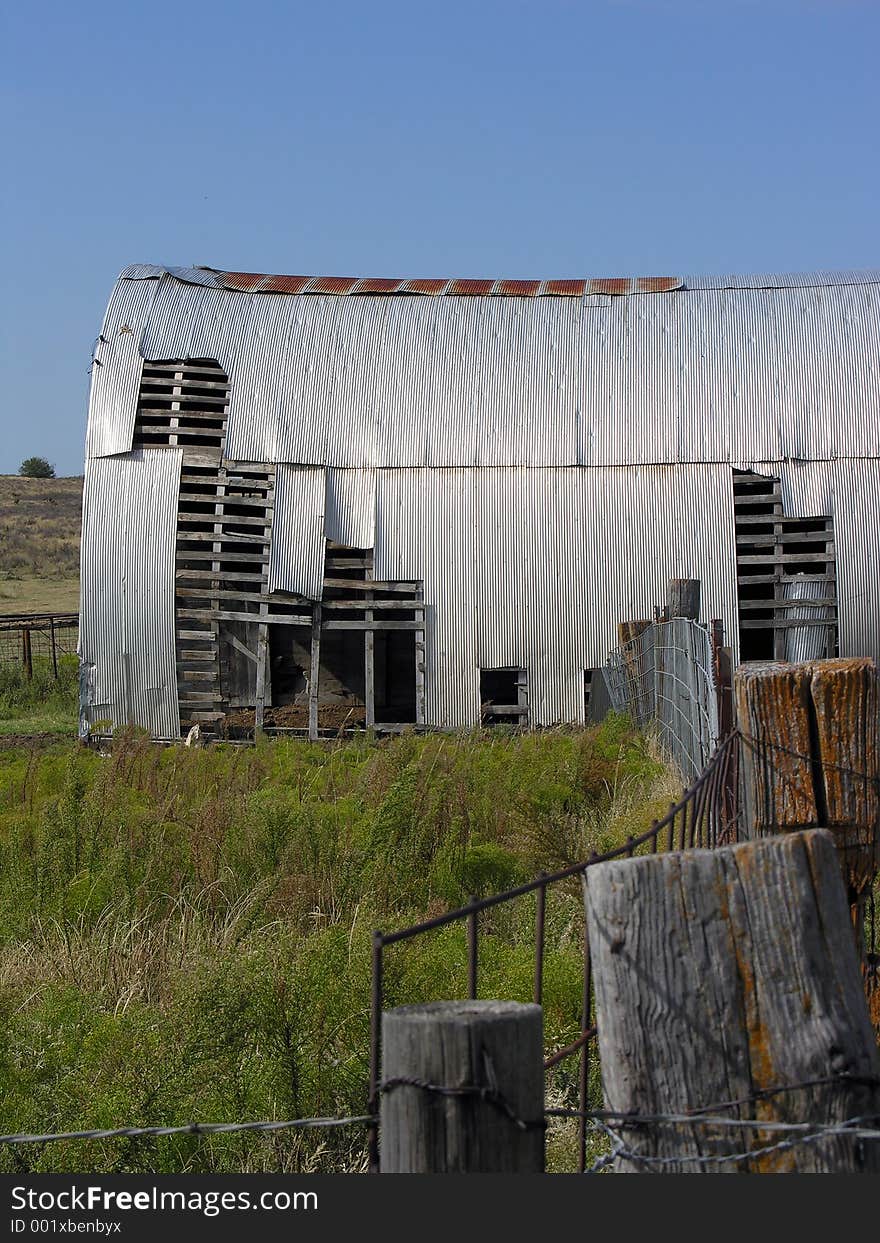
{"x":504,"y":697}
{"x":786,"y":576}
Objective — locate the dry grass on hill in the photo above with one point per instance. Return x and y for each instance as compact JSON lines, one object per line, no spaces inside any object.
{"x":39,"y":544}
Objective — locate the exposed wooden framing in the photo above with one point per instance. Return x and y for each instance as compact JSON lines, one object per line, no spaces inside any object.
{"x":420,"y":661}
{"x":490,"y":708}
{"x":262,"y":662}
{"x":369,"y":586}
{"x":249,"y":502}
{"x":522,"y":695}
{"x":276,"y":619}
{"x":200,"y":456}
{"x":225,"y":576}
{"x":234,"y":520}
{"x":369,"y":654}
{"x":390,"y":606}
{"x":228,"y":537}
{"x":778,"y":548}
{"x":315,"y":672}
{"x":374,"y":625}
{"x":243,"y":648}
{"x":221,"y":593}
{"x":754,"y":605}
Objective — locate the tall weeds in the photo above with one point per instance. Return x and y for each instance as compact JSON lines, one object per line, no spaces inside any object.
{"x":185,"y":934}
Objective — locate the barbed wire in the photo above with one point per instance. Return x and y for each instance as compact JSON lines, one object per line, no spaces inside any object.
{"x":484,"y":1093}
{"x":190,"y":1128}
{"x":851,"y":1128}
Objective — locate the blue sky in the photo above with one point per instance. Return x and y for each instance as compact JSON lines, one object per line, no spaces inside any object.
{"x":530,"y":138}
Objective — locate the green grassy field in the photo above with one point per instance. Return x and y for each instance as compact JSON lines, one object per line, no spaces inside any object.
{"x":39,"y":544}
{"x":185,"y":933}
{"x":42,"y":704}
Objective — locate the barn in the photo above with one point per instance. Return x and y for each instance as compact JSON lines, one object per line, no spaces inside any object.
{"x":321,"y":503}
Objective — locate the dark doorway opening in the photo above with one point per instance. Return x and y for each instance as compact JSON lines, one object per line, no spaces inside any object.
{"x":503,"y":697}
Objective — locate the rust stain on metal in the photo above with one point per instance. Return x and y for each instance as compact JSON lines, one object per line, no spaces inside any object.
{"x":471,"y":288}
{"x":519,"y":289}
{"x":331,"y":284}
{"x":377,"y":285}
{"x":247,"y":282}
{"x":565,"y":288}
{"x":258,"y":282}
{"x":610,"y":285}
{"x":284,"y":284}
{"x":658,"y":284}
{"x":425,"y":285}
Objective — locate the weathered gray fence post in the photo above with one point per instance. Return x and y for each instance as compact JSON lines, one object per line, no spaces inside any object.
{"x":683,"y":599}
{"x":26,"y":657}
{"x":487,"y":1057}
{"x":722,"y":976}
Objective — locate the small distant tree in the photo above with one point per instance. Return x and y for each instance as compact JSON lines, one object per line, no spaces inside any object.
{"x":37,"y":468}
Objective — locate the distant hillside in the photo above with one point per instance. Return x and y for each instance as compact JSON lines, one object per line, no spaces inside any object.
{"x":40,"y":523}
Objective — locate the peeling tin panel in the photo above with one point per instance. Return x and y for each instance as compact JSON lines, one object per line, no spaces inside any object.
{"x":296,"y":556}
{"x":535,"y":568}
{"x":657,"y":284}
{"x":350,"y":516}
{"x":127,"y":589}
{"x":116,"y":368}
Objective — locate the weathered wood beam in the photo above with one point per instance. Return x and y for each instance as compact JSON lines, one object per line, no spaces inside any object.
{"x":724,"y":976}
{"x":493,"y":1045}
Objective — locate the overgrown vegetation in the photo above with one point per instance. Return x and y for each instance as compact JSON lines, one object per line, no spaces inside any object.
{"x":40,"y":523}
{"x":185,"y":934}
{"x":41,"y":703}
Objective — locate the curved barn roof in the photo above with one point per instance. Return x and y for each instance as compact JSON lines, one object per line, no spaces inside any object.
{"x":584,"y":372}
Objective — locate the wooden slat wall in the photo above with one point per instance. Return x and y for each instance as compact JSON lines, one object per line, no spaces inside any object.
{"x":771,"y":548}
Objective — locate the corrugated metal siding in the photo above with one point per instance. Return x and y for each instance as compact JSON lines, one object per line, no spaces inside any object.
{"x":127,"y":589}
{"x":857,"y":547}
{"x":809,"y":642}
{"x":695,"y":375}
{"x":534,"y":568}
{"x":296,"y":557}
{"x":350,"y":516}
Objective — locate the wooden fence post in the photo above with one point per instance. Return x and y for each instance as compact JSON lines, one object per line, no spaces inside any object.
{"x":721,"y":976}
{"x":53,"y":647}
{"x":27,"y":658}
{"x":683,"y":598}
{"x":829,"y":712}
{"x":495,"y":1047}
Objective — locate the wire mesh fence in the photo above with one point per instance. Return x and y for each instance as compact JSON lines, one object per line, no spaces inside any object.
{"x":667,"y":674}
{"x":706,"y":815}
{"x":29,"y":637}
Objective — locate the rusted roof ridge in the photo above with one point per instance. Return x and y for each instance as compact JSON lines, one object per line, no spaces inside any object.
{"x":258,"y":282}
